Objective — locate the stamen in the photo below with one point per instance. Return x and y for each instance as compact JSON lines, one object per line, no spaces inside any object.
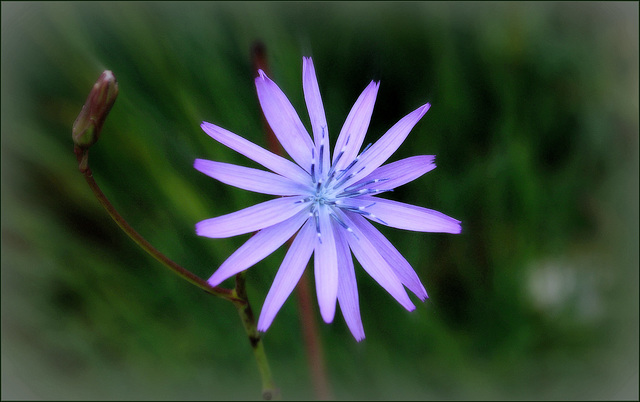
{"x":365,"y":148}
{"x":321,"y":152}
{"x":341,"y":182}
{"x":353,"y":162}
{"x":378,"y":190}
{"x":332,"y":171}
{"x":372,"y":216}
{"x":355,"y":186}
{"x":357,"y":210}
{"x":317,"y":221}
{"x":360,"y":211}
{"x":349,"y":177}
{"x":313,"y":165}
{"x":341,"y":223}
{"x":366,"y":191}
{"x":344,"y":171}
{"x":306,"y":199}
{"x":320,"y":158}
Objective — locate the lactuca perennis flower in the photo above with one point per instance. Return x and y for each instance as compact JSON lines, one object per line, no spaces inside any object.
{"x":328,"y":200}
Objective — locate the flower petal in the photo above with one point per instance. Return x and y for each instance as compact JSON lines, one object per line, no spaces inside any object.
{"x":400,"y":172}
{"x":387,"y":144}
{"x":258,"y":247}
{"x":249,"y":178}
{"x":326,"y":266}
{"x":355,"y":127}
{"x":316,"y":109}
{"x":406,"y":216}
{"x":256,"y":153}
{"x":288,"y":274}
{"x":347,"y":286}
{"x":397,"y":262}
{"x":250,"y":219}
{"x":284,"y":121}
{"x":375,"y":265}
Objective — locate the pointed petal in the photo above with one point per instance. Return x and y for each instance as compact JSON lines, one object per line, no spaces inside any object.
{"x":367,"y":254}
{"x":256,"y":153}
{"x":400,"y":172}
{"x":406,"y":216}
{"x":387,"y":144}
{"x":397,"y":262}
{"x":316,"y":109}
{"x":250,"y":219}
{"x":326,"y":267}
{"x":258,"y":247}
{"x":355,"y":127}
{"x":288,"y":274}
{"x":249,"y":179}
{"x":284,"y":121}
{"x":347,"y":286}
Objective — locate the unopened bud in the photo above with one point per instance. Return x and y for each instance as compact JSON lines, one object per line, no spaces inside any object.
{"x":88,"y":125}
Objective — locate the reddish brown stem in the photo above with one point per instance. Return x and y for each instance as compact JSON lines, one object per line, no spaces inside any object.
{"x":315,"y":353}
{"x":82,"y":156}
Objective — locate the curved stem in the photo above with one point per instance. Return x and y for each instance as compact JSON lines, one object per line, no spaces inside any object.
{"x":85,"y":132}
{"x":83,"y":164}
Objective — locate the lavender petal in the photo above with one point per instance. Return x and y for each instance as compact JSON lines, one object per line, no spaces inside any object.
{"x":397,"y":262}
{"x":249,"y":179}
{"x":314,"y":105}
{"x":400,"y":172}
{"x":289,"y":273}
{"x":387,"y":144}
{"x":250,"y":219}
{"x":367,"y":254}
{"x":258,"y":247}
{"x":284,"y":121}
{"x":256,"y":153}
{"x":326,"y":267}
{"x":355,"y":126}
{"x":347,"y":286}
{"x":408,"y":217}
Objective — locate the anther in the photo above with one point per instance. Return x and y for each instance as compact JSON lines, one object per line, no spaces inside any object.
{"x":355,"y":186}
{"x":313,"y":165}
{"x":341,"y":223}
{"x":317,"y":221}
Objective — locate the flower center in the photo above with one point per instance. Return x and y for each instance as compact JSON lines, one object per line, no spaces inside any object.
{"x":330,"y":190}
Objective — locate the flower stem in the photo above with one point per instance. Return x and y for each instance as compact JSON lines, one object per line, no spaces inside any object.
{"x":83,"y":163}
{"x":269,"y":390}
{"x":85,"y":133}
{"x":315,"y":354}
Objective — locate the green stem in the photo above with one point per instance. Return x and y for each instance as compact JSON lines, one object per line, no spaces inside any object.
{"x":83,"y":164}
{"x":269,"y":390}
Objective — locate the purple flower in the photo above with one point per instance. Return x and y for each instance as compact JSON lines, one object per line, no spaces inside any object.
{"x":328,"y":200}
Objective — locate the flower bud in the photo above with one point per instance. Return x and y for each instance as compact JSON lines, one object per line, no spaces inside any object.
{"x":87,"y":126}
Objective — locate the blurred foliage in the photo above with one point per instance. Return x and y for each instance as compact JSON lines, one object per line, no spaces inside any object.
{"x":535,"y":127}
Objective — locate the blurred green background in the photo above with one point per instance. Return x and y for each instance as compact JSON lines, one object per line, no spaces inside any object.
{"x":535,"y":126}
